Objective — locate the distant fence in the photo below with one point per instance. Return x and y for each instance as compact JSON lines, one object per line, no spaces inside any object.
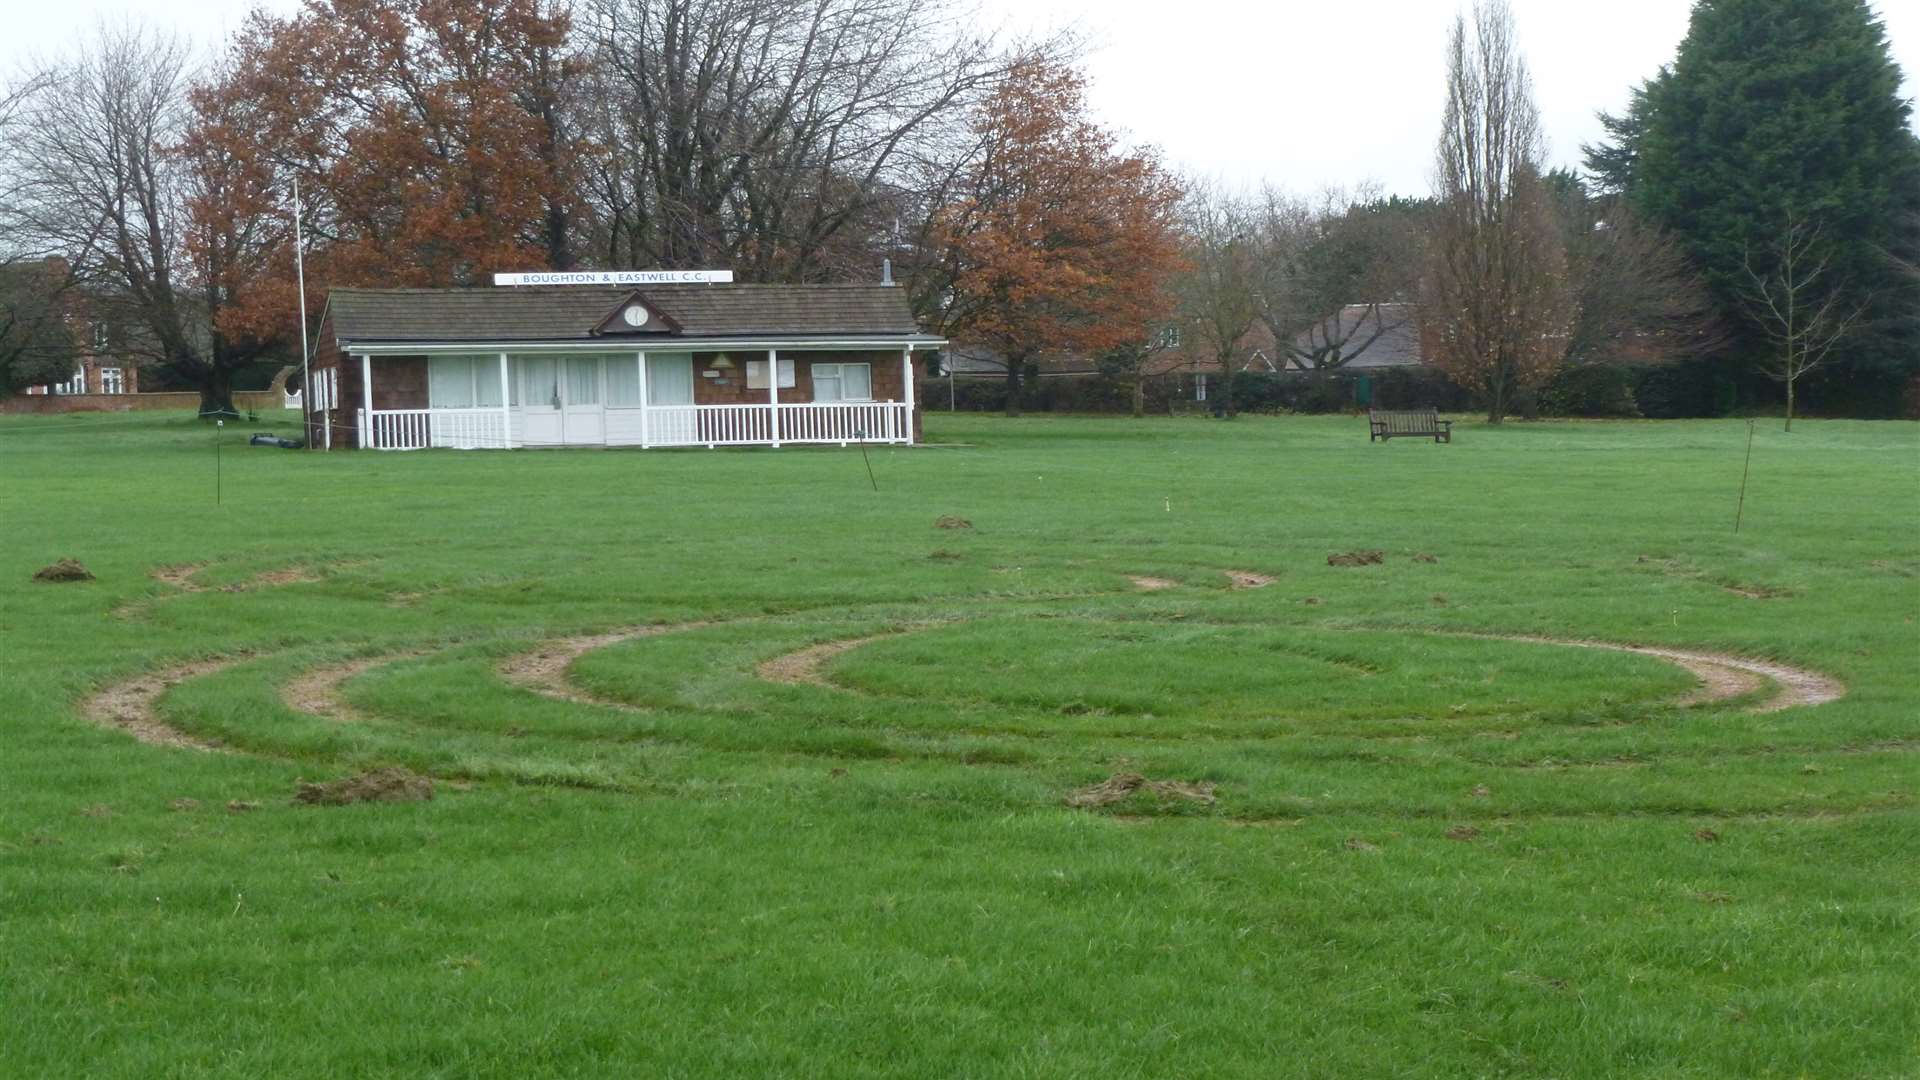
{"x":244,"y":400}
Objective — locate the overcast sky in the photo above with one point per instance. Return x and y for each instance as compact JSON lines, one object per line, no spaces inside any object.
{"x":1304,"y":94}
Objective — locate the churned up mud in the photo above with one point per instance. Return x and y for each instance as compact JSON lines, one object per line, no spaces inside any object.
{"x":1116,"y":788}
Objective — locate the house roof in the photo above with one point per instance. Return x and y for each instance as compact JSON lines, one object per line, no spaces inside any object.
{"x":584,"y":314}
{"x":1397,"y":343}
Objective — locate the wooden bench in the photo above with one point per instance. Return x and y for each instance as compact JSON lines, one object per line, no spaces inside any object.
{"x":1425,"y":423}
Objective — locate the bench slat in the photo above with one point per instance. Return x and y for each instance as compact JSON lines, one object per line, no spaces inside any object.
{"x":1384,"y":424}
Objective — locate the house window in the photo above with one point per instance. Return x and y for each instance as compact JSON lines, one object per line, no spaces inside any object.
{"x":843,"y":382}
{"x":75,"y":385}
{"x":757,"y":374}
{"x":1169,"y":337}
{"x":100,"y":337}
{"x":1199,"y":388}
{"x":111,"y":382}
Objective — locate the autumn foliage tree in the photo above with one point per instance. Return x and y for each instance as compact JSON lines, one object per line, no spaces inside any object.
{"x":1061,"y":241}
{"x":430,"y":136}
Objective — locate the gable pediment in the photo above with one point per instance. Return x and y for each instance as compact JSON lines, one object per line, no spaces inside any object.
{"x":636,"y":316}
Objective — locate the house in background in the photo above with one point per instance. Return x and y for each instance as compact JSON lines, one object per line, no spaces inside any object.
{"x":100,"y":371}
{"x":103,"y":366}
{"x":657,"y":365}
{"x":1362,"y":337}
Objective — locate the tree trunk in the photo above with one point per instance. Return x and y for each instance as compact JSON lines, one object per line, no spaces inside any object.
{"x":1789,"y":403}
{"x":216,"y":393}
{"x":1226,"y":389}
{"x":1496,"y":400}
{"x":1139,"y":396}
{"x":1013,"y":386}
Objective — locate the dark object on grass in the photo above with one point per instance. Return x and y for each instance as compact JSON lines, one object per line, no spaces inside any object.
{"x":380,"y":785}
{"x":1357,"y":558}
{"x":64,"y":570}
{"x":950,"y":522}
{"x":1115,"y":788}
{"x":268,"y":438}
{"x":1421,"y":423}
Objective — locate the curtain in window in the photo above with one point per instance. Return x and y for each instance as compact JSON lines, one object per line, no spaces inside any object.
{"x":856,"y":382}
{"x":450,"y":382}
{"x":486,"y":381}
{"x":541,"y":375}
{"x":623,"y":380}
{"x":583,"y":380}
{"x":826,"y":382}
{"x":670,"y":379}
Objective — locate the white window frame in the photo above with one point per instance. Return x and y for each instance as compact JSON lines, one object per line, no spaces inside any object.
{"x":1199,"y":388}
{"x":326,"y":387}
{"x":483,"y":377}
{"x":1170,"y":337}
{"x":102,"y":335}
{"x":838,"y":378}
{"x":112,"y":381}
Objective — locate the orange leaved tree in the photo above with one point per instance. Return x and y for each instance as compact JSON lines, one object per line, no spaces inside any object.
{"x":1060,"y":241}
{"x":430,"y":138}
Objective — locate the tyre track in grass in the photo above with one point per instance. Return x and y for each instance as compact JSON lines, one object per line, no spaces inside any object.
{"x":129,"y":704}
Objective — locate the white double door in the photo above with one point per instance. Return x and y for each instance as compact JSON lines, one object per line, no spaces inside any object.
{"x":561,"y":401}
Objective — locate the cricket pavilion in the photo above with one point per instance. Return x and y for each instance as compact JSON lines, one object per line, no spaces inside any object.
{"x":643,"y":359}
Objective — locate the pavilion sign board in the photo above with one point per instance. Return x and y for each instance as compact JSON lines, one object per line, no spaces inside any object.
{"x":616,"y":277}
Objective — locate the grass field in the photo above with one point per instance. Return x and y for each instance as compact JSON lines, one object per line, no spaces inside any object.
{"x":815,"y":820}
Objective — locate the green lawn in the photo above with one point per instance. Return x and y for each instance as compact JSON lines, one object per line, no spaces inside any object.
{"x":1430,"y":854}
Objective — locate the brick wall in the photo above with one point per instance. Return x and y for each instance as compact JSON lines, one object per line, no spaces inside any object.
{"x":256,"y":400}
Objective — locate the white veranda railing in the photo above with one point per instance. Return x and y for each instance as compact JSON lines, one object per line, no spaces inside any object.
{"x":665,"y":425}
{"x":418,"y":429}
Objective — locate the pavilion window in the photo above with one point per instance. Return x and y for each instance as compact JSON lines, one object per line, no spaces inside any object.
{"x":623,"y":383}
{"x":843,"y":382}
{"x":463,"y":382}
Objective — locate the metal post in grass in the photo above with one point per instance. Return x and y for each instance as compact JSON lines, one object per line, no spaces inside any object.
{"x":1740,"y":508}
{"x":860,"y":437}
{"x":217,"y":425}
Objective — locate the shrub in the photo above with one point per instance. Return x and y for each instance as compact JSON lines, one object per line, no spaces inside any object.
{"x":1600,"y":390}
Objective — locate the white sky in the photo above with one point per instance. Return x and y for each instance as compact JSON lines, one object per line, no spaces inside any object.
{"x":1304,"y":94}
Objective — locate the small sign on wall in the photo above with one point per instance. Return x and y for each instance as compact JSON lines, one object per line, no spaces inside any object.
{"x":757,"y":374}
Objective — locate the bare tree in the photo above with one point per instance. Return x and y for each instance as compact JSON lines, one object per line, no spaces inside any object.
{"x":102,"y":182}
{"x":1638,"y":296}
{"x":1220,"y":291}
{"x":781,"y":136}
{"x":1795,"y":300}
{"x":1347,"y":269}
{"x":1498,"y":303}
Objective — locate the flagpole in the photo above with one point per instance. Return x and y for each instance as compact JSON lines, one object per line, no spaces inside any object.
{"x":300,"y":272}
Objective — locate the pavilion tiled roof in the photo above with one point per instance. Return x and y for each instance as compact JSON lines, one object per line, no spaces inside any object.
{"x":573,"y":313}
